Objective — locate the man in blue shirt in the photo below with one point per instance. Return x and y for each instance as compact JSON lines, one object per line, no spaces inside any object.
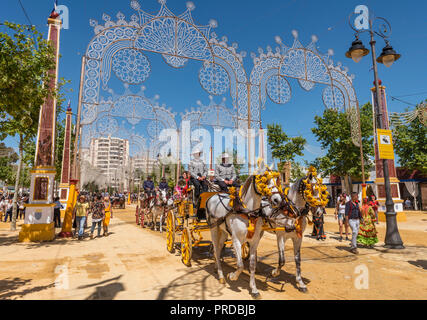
{"x":149,"y":187}
{"x":353,"y":216}
{"x":163,"y":185}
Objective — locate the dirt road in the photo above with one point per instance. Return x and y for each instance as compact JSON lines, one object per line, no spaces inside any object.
{"x":133,"y":263}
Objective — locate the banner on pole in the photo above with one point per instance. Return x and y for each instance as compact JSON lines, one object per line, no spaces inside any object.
{"x":385,"y":144}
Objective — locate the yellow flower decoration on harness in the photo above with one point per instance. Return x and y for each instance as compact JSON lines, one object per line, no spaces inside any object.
{"x":232,"y":192}
{"x":318,"y":186}
{"x":262,"y":180}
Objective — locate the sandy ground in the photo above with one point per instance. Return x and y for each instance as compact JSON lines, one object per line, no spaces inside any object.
{"x":133,"y":263}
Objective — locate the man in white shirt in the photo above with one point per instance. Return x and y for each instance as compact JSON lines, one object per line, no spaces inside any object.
{"x":8,"y":209}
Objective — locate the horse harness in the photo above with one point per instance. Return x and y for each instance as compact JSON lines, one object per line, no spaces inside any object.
{"x":252,"y":216}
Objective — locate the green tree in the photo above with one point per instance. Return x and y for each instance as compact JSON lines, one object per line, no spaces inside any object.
{"x":25,"y":61}
{"x":91,"y":186}
{"x":410,"y":144}
{"x":343,"y":157}
{"x":8,"y":158}
{"x":297,"y":172}
{"x":6,"y":171}
{"x":25,"y":178}
{"x":283,"y":147}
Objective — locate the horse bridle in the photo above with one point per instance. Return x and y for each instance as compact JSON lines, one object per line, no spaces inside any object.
{"x":301,"y":188}
{"x":269,"y":196}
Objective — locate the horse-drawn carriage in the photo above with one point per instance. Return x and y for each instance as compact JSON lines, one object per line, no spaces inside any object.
{"x":268,"y":208}
{"x":150,"y":207}
{"x":188,"y":223}
{"x":118,"y":202}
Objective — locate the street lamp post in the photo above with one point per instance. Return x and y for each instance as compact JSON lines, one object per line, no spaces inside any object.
{"x":387,"y":57}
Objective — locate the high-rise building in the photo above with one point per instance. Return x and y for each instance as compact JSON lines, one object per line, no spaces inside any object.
{"x":111,"y":156}
{"x":143,"y":164}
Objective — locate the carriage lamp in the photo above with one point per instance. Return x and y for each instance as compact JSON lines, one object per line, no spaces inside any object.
{"x":357,"y":51}
{"x":388,"y":56}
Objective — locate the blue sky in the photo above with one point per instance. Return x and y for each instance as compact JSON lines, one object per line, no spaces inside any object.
{"x":254,"y":24}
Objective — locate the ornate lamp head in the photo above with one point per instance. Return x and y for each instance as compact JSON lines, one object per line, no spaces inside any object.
{"x":357,"y":51}
{"x":388,"y":56}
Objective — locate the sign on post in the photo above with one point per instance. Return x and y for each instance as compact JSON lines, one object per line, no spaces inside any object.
{"x":385,"y":144}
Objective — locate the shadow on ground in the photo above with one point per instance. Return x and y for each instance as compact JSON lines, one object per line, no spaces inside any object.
{"x":419,"y":263}
{"x":11,"y":288}
{"x":105,"y":290}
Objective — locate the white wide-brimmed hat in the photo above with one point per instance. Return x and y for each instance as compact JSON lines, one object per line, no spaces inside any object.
{"x":197,"y":150}
{"x":211,"y":173}
{"x":225,"y":155}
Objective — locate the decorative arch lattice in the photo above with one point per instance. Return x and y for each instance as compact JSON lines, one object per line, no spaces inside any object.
{"x":119,"y":48}
{"x":269,"y":78}
{"x":121,"y":115}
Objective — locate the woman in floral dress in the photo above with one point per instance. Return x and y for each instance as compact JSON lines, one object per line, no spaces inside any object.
{"x":367,"y":231}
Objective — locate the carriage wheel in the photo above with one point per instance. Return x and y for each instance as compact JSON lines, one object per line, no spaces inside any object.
{"x":141,"y":217}
{"x":186,"y":247}
{"x":245,"y":251}
{"x":137,"y":215}
{"x":170,"y":231}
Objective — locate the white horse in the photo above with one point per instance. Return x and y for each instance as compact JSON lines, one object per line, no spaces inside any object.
{"x":223,"y":221}
{"x":294,"y":226}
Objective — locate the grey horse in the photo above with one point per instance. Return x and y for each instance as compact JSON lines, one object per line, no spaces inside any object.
{"x":158,"y":208}
{"x":300,"y":208}
{"x":223,"y":221}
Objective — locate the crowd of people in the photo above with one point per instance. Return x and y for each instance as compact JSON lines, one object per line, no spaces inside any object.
{"x":6,"y":207}
{"x":100,"y":210}
{"x":361,"y":219}
{"x":201,"y":179}
{"x":349,"y":213}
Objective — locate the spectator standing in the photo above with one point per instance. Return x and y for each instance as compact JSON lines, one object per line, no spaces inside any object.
{"x":353,"y":216}
{"x":408,"y":204}
{"x":8,"y":209}
{"x":340,"y":215}
{"x":21,"y":208}
{"x":375,"y":205}
{"x":3,"y":203}
{"x":98,"y":214}
{"x":81,"y":211}
{"x":57,"y":212}
{"x":318,"y":222}
{"x":108,"y":215}
{"x":367,"y":233}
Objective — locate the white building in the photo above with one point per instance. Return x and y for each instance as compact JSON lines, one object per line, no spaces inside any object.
{"x":111,"y":156}
{"x":142,"y":163}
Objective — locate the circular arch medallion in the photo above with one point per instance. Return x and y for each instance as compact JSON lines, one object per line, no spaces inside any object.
{"x":131,"y":66}
{"x":278,"y":89}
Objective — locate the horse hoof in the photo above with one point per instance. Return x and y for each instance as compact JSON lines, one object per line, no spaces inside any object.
{"x":303,"y":290}
{"x":230,"y":277}
{"x":256,"y":296}
{"x":222,"y":281}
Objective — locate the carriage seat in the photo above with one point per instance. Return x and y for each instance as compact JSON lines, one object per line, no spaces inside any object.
{"x":201,"y":210}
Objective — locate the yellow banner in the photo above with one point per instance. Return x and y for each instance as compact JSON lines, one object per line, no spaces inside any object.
{"x":385,"y":144}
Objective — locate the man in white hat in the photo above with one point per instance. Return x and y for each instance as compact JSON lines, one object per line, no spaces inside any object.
{"x":226,"y":177}
{"x":198,"y":172}
{"x":225,"y":174}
